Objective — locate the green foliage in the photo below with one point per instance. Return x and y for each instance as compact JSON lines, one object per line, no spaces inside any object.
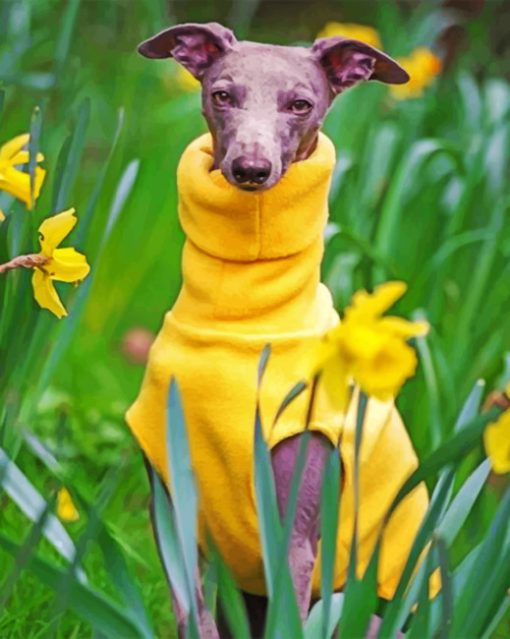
{"x":420,"y":193}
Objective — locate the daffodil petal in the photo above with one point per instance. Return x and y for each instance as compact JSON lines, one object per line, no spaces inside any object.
{"x":2,"y":216}
{"x":403,"y":328}
{"x":67,"y":265}
{"x":496,"y":439}
{"x":23,"y":157}
{"x":46,"y":295}
{"x":9,"y":149}
{"x":384,"y":296}
{"x":16,"y":183}
{"x":54,"y":229}
{"x":383,"y":376}
{"x":66,"y":509}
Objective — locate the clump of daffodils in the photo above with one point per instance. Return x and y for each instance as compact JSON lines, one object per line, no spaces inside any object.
{"x":368,"y":348}
{"x":52,"y":263}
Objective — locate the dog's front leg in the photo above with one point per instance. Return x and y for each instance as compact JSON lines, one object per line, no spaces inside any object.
{"x":305,"y":531}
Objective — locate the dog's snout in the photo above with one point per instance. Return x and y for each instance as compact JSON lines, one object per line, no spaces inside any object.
{"x":249,"y":170}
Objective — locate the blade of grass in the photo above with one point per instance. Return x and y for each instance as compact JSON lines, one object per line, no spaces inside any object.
{"x":431,"y":382}
{"x":360,"y":594}
{"x":167,"y":541}
{"x":104,"y":615}
{"x":489,"y":576}
{"x":23,"y":555}
{"x":231,"y":602}
{"x":447,"y":592}
{"x":393,"y":612}
{"x":456,"y":447}
{"x":69,"y":158}
{"x":329,"y":519}
{"x":314,"y":624}
{"x":32,"y":504}
{"x":63,"y":43}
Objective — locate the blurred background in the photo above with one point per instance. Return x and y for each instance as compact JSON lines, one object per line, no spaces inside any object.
{"x":420,"y":193}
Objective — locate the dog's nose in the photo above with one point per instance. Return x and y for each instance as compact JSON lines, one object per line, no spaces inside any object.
{"x":247,"y":170}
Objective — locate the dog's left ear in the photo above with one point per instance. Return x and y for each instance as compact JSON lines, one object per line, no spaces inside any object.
{"x":347,"y":62}
{"x":195,"y":46}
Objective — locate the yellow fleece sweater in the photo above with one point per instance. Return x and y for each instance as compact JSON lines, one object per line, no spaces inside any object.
{"x":251,"y":276}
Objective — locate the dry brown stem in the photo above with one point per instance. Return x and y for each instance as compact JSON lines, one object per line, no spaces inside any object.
{"x":24,"y":261}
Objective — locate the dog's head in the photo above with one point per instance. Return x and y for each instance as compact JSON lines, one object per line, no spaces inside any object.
{"x":264,"y":104}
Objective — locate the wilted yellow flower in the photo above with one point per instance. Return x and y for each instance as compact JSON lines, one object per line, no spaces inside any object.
{"x":422,"y":66}
{"x":497,"y":443}
{"x":369,"y":348}
{"x":62,"y":265}
{"x":66,"y":509}
{"x":17,"y":182}
{"x":349,"y":30}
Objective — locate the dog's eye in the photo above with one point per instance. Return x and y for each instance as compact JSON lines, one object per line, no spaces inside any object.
{"x":300,"y":107}
{"x":221,"y":98}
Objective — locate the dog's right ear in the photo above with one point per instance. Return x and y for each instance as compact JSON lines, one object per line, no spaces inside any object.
{"x":195,"y":46}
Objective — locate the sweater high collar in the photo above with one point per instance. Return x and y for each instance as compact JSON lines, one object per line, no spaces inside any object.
{"x":228,"y":223}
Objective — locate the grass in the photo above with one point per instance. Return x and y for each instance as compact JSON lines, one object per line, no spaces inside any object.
{"x":420,"y":193}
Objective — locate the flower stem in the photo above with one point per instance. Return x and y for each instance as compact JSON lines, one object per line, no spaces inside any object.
{"x":24,"y":261}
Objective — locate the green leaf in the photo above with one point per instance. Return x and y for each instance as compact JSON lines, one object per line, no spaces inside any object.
{"x":432,"y":385}
{"x":314,"y":624}
{"x":329,"y":520}
{"x":69,"y":159}
{"x":63,"y":43}
{"x":184,"y":494}
{"x":462,"y":504}
{"x":32,"y":504}
{"x":360,"y":594}
{"x":455,"y":448}
{"x":231,"y":601}
{"x":420,"y":625}
{"x":270,"y":529}
{"x":34,"y":146}
{"x":471,"y":405}
{"x":393,"y":613}
{"x":447,"y":593}
{"x":105,"y":616}
{"x":167,"y":540}
{"x":294,"y":392}
{"x":23,"y":555}
{"x":86,"y":218}
{"x":489,"y":577}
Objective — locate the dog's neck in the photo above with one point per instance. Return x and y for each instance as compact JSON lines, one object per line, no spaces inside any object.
{"x":251,"y":255}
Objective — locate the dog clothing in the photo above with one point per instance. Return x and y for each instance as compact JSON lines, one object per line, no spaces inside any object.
{"x":251,"y":276}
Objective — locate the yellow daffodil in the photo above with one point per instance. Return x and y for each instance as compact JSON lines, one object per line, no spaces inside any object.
{"x":62,"y":264}
{"x":12,"y":179}
{"x":497,"y":443}
{"x":348,"y":30}
{"x":368,"y":348}
{"x":66,"y":509}
{"x":422,"y":66}
{"x":186,"y":81}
